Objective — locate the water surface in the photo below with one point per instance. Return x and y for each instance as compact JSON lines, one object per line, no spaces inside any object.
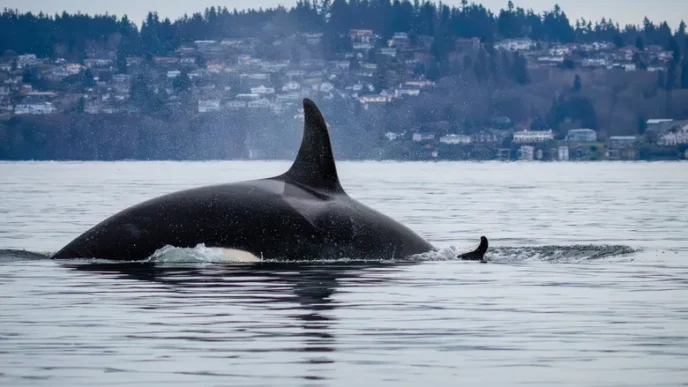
{"x":587,"y":283}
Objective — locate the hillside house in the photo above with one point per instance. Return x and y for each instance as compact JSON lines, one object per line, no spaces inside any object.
{"x":291,"y":86}
{"x":262,"y":90}
{"x":411,"y":92}
{"x":524,"y":44}
{"x":366,"y":99}
{"x":35,"y":108}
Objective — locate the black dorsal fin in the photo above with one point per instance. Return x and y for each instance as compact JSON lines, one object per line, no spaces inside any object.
{"x":314,"y":165}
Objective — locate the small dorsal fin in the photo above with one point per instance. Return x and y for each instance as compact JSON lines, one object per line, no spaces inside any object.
{"x":314,"y":165}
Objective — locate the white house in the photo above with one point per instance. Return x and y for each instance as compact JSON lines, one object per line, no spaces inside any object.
{"x":259,"y":103}
{"x":581,"y":135}
{"x":92,"y":63}
{"x":531,"y":136}
{"x":235,"y":105}
{"x":655,"y":121}
{"x":398,"y":93}
{"x":247,"y":96}
{"x":392,"y":136}
{"x":26,"y":60}
{"x":389,"y":51}
{"x":257,"y":76}
{"x":262,"y":90}
{"x":373,"y":99}
{"x":326,"y":87}
{"x":418,"y":137}
{"x":595,"y":62}
{"x":677,"y":137}
{"x":341,"y":64}
{"x":419,"y":84}
{"x":287,"y":97}
{"x":291,"y":86}
{"x":455,"y":139}
{"x":208,"y":105}
{"x":516,"y":44}
{"x":35,"y":108}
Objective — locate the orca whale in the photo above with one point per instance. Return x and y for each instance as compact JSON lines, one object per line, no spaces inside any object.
{"x":300,"y":215}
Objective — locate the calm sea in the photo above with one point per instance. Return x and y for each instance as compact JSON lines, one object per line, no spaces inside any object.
{"x":587,"y":284}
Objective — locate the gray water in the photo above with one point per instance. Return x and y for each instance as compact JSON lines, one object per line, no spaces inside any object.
{"x":587,"y":283}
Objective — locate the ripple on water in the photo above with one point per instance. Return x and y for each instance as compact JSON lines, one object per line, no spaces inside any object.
{"x":586,"y":284}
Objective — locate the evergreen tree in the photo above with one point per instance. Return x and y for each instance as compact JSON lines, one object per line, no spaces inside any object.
{"x":639,"y":43}
{"x":182,"y":83}
{"x":618,"y":41}
{"x":638,"y":61}
{"x":89,"y":79}
{"x":661,"y":79}
{"x":681,"y":32}
{"x":672,"y":46}
{"x":201,"y":62}
{"x":684,"y":67}
{"x":80,"y":105}
{"x":380,"y":78}
{"x":121,"y":62}
{"x":642,"y":124}
{"x":480,"y":66}
{"x":521,"y":69}
{"x":671,"y":76}
{"x":576,"y":84}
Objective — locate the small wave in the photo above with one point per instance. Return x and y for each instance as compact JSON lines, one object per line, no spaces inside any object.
{"x":558,"y":253}
{"x":496,"y":254}
{"x":21,"y":255}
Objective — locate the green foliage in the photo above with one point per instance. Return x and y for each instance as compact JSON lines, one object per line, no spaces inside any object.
{"x":80,"y":105}
{"x":575,"y":108}
{"x":618,"y":41}
{"x":68,"y":35}
{"x":121,"y":61}
{"x":673,"y":47}
{"x":521,"y":69}
{"x":642,"y":124}
{"x":88,"y":80}
{"x":576,"y":84}
{"x":182,"y":83}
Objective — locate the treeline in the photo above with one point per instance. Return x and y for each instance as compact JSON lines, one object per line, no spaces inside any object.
{"x":73,"y":35}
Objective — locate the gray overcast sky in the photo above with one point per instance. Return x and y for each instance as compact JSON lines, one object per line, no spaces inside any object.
{"x":622,"y":11}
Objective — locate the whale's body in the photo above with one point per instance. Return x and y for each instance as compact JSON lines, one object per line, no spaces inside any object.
{"x":302,"y":214}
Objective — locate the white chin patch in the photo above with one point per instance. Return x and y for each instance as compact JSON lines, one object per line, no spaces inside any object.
{"x":237,"y":255}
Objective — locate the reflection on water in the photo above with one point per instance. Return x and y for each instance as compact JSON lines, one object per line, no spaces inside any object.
{"x":586,"y":286}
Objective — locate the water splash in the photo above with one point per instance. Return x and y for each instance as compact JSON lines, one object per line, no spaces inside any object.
{"x":558,"y":253}
{"x":503,"y":254}
{"x":498,"y":254}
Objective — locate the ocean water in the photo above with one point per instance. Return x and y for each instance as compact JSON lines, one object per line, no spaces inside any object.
{"x":586,"y":285}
